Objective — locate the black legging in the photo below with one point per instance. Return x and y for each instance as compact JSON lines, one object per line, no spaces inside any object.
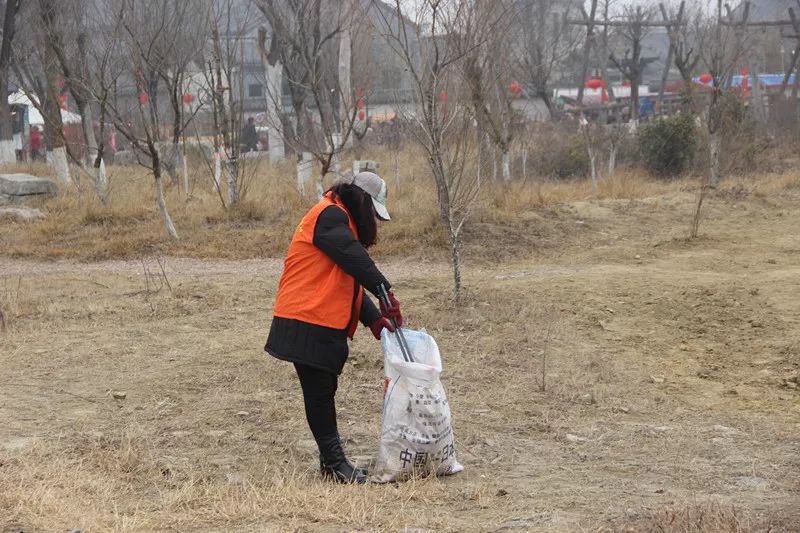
{"x":319,"y":390}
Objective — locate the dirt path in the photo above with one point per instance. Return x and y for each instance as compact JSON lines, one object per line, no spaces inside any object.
{"x":671,"y":382}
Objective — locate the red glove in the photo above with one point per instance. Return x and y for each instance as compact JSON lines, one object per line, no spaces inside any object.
{"x":393,"y":311}
{"x":378,"y":326}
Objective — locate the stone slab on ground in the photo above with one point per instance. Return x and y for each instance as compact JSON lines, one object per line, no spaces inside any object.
{"x":20,"y":214}
{"x":17,"y":187}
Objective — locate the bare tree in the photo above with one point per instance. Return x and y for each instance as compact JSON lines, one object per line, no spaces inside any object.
{"x":681,"y":50}
{"x":440,"y":117}
{"x":720,"y":45}
{"x":486,"y":33}
{"x":631,"y":65}
{"x":47,"y":12}
{"x":308,"y":36}
{"x":590,"y":23}
{"x":546,"y":41}
{"x":189,"y":22}
{"x":273,"y":75}
{"x":68,"y":23}
{"x":7,"y":154}
{"x":134,"y":33}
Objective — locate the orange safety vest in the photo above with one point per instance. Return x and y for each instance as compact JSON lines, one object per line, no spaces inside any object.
{"x":313,"y":288}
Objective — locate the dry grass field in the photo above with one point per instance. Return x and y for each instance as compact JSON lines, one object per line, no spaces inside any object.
{"x":136,"y":395}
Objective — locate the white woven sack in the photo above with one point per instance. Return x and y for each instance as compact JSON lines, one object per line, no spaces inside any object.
{"x":416,"y":431}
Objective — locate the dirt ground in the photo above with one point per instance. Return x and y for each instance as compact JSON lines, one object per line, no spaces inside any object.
{"x":671,"y":393}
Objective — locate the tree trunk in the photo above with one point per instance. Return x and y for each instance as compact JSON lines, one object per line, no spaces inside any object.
{"x":53,"y":111}
{"x":455,"y":248}
{"x":274,"y":74}
{"x":396,"y":154}
{"x":87,"y":126}
{"x":346,"y":104}
{"x":160,"y":200}
{"x":635,"y":102}
{"x":60,"y":164}
{"x":304,"y":170}
{"x":185,"y":171}
{"x":592,"y":161}
{"x":715,"y":156}
{"x":216,"y":176}
{"x":612,"y":160}
{"x":7,"y":154}
{"x":695,"y":229}
{"x":320,"y":189}
{"x":506,"y":165}
{"x":231,"y":171}
{"x":101,"y":182}
{"x":525,"y":164}
{"x":442,"y":190}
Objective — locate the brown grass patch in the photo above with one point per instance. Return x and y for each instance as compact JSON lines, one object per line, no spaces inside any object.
{"x":130,"y":226}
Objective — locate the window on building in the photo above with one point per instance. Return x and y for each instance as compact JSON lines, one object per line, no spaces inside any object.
{"x":255,"y":90}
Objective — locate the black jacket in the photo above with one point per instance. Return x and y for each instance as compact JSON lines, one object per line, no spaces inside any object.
{"x":319,"y":346}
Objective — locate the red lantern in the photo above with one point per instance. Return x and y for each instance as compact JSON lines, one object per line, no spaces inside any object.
{"x":142,"y":98}
{"x":443,"y":96}
{"x":706,"y":78}
{"x":188,"y":98}
{"x":62,"y":101}
{"x":515,"y":89}
{"x":594,"y":83}
{"x":360,"y":104}
{"x":362,"y":115}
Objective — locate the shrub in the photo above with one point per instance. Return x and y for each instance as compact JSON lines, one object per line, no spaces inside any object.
{"x":667,"y":145}
{"x":571,"y":159}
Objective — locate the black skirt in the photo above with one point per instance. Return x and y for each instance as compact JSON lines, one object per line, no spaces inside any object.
{"x":307,"y":344}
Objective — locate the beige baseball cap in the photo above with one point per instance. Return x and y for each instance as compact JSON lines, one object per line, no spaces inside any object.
{"x":373,"y":185}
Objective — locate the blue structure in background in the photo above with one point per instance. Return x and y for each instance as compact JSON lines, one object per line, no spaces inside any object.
{"x":766,"y":80}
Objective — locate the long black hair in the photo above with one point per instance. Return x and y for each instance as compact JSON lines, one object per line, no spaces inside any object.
{"x":359,"y":204}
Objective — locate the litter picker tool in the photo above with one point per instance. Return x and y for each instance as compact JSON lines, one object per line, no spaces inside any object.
{"x":401,"y":339}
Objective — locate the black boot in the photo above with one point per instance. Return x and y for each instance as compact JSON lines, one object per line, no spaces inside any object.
{"x":362,"y":471}
{"x":333,"y":463}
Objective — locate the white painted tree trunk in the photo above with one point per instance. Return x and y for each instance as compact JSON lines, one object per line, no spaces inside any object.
{"x":593,"y":168}
{"x":217,"y":170}
{"x":506,"y":167}
{"x":231,"y":173}
{"x":7,"y":154}
{"x":87,"y":124}
{"x":336,"y":149}
{"x":304,"y":169}
{"x":612,"y":160}
{"x":101,"y":183}
{"x":345,"y":58}
{"x":274,"y":75}
{"x":320,"y":189}
{"x":185,"y":176}
{"x":61,"y":165}
{"x":525,"y":164}
{"x":162,"y":208}
{"x":715,"y":155}
{"x":397,"y":170}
